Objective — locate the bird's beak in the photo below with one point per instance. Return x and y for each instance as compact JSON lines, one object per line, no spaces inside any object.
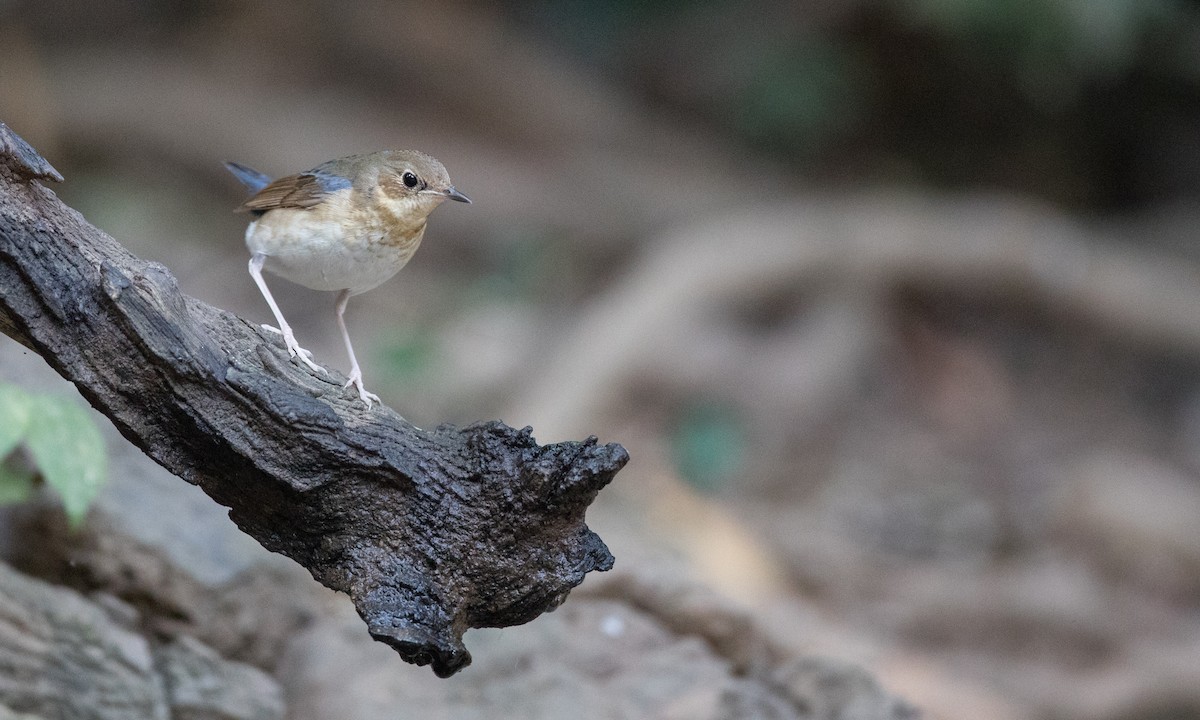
{"x":453,"y":194}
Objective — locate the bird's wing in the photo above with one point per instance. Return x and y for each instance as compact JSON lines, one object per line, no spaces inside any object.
{"x":302,"y":190}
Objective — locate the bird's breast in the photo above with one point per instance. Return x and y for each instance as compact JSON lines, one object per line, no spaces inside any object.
{"x":341,"y":243}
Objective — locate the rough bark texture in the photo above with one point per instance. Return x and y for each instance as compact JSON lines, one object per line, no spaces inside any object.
{"x":430,"y":532}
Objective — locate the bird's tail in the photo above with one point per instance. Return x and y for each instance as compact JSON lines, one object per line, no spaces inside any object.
{"x":249,"y":177}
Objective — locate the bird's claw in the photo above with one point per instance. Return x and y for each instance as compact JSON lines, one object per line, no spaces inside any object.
{"x":294,"y":349}
{"x":366,"y":397}
{"x":304,"y":356}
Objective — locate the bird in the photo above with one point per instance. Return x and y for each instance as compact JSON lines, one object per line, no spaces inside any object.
{"x":347,"y":225}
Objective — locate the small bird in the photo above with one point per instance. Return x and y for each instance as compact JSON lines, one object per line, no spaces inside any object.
{"x":346,"y":225}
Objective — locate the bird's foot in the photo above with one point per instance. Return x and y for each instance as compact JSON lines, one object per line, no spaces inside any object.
{"x":356,"y":381}
{"x":294,"y":348}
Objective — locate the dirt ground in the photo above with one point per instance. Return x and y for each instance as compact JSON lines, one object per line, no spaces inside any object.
{"x":897,"y":451}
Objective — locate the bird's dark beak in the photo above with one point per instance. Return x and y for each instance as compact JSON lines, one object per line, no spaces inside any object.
{"x":453,"y":194}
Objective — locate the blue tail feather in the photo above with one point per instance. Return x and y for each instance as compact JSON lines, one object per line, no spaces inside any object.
{"x":249,"y":177}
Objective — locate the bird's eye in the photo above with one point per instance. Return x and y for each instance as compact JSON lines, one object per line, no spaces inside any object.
{"x":410,"y":180}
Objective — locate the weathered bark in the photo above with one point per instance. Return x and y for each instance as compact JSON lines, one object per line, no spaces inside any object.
{"x":430,"y":532}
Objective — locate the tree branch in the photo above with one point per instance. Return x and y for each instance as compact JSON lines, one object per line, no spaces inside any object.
{"x":429,"y":532}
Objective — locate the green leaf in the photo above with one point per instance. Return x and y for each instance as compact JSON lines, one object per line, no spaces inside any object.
{"x":15,"y":406}
{"x":69,"y":451}
{"x":16,"y":483}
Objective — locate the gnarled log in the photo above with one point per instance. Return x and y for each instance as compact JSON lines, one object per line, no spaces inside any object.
{"x":429,"y":532}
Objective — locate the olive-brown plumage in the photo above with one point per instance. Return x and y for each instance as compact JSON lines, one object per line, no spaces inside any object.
{"x":346,"y":225}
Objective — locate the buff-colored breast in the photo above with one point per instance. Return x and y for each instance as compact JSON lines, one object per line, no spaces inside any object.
{"x":343,"y":242}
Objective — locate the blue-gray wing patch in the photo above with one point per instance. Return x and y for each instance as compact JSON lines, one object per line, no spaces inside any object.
{"x":302,"y":190}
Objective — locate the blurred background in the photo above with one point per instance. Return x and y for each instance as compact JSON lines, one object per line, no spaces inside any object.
{"x":895,"y":303}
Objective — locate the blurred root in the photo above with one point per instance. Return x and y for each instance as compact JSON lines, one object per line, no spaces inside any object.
{"x":673,"y":316}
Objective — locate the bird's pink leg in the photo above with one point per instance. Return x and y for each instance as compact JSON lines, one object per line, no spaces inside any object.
{"x":289,"y":339}
{"x":355,"y":371}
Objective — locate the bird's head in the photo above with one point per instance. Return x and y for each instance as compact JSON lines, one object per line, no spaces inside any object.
{"x":413,"y":179}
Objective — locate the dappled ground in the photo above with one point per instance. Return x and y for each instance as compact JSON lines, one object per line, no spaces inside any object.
{"x":889,"y":447}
